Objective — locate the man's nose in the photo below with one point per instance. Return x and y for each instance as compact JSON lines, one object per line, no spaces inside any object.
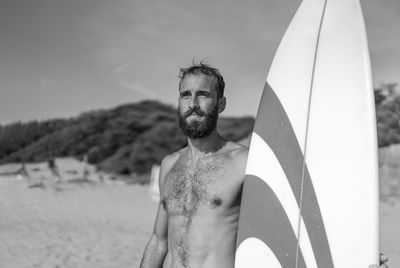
{"x":193,"y":103}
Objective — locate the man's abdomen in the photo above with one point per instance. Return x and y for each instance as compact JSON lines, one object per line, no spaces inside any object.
{"x":209,"y":241}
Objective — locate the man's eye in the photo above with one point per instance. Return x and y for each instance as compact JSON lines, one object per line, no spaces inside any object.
{"x":205,"y":94}
{"x":183,"y":95}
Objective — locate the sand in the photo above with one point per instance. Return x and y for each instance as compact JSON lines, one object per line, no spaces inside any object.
{"x":390,"y":231}
{"x":83,"y":226}
{"x":97,"y":224}
{"x":73,"y":224}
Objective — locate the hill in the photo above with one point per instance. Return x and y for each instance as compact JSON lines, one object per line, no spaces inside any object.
{"x":127,"y":139}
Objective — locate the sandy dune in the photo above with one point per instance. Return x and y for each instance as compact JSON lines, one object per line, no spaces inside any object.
{"x":97,"y":224}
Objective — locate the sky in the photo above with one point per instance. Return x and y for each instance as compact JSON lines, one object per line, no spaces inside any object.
{"x":59,"y":58}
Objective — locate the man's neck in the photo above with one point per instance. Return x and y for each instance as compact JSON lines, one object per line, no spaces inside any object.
{"x":201,"y":147}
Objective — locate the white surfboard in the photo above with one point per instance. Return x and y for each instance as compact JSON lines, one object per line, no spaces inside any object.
{"x":310,"y":196}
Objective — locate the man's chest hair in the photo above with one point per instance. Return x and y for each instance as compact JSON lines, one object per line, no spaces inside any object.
{"x":189,"y":186}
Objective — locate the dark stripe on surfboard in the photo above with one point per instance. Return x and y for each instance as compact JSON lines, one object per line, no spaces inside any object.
{"x":275,"y":229}
{"x":273,"y":125}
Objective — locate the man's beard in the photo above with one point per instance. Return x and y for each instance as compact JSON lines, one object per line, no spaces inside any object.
{"x":196,"y":129}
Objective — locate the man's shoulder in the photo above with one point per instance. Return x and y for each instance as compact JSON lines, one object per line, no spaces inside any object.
{"x":237,"y":150}
{"x":236,"y":154}
{"x":167,"y":164}
{"x":170,"y":160}
{"x":237,"y":159}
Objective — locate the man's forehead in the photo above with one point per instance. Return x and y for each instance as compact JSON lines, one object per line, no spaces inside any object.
{"x":194,"y":81}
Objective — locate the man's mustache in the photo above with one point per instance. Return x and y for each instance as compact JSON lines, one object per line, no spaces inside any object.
{"x":195,"y":110}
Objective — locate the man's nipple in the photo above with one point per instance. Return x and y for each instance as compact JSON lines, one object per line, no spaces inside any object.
{"x":216,"y":202}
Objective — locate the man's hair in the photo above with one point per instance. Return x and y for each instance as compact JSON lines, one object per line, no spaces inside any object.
{"x":205,"y":69}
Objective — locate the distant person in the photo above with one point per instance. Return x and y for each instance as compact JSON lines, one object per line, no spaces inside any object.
{"x":54,"y":169}
{"x":200,"y":185}
{"x":100,"y":174}
{"x":85,"y":170}
{"x":24,"y":173}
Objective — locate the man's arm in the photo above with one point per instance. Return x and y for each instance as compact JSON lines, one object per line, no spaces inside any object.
{"x":157,"y":247}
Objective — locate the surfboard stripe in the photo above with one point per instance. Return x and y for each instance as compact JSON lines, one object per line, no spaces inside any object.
{"x":281,"y":237}
{"x":274,"y":127}
{"x":276,"y":179}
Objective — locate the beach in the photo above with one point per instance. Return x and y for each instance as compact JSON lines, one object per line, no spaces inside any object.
{"x":93,"y":223}
{"x":73,"y":224}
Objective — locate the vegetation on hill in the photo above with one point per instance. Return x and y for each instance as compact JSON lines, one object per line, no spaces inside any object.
{"x":18,"y":135}
{"x":387,"y":104}
{"x":127,"y":139}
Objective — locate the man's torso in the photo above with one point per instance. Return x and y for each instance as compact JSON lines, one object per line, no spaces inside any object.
{"x":202,"y":201}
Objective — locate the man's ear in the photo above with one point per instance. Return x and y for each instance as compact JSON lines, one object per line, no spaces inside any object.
{"x":221,"y":104}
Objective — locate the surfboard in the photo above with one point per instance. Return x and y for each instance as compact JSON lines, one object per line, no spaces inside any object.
{"x":310,"y":196}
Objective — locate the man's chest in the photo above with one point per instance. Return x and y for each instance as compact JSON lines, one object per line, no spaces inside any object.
{"x":212,"y":185}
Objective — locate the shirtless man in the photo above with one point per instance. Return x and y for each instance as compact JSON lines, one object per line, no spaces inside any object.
{"x":200,"y":185}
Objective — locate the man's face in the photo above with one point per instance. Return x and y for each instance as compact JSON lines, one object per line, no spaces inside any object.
{"x":198,"y":105}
